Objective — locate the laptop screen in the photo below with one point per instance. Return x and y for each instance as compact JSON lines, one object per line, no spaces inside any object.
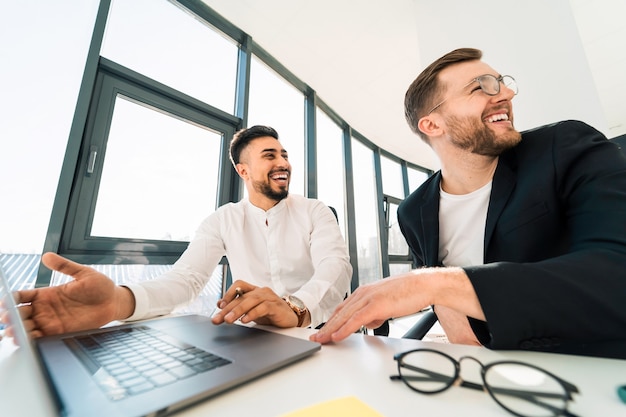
{"x":20,"y":368}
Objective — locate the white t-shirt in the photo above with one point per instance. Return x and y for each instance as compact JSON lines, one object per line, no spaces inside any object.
{"x":295,"y":248}
{"x":462,"y":221}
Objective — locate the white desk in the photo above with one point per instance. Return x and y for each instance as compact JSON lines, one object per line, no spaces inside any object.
{"x":360,"y":366}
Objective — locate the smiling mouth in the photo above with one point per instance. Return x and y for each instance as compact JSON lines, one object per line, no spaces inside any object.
{"x":497,"y":118}
{"x":281,"y":176}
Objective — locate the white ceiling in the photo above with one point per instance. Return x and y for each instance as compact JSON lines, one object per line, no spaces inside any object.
{"x":361,"y":55}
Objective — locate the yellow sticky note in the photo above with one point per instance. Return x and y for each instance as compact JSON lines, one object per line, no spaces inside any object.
{"x":340,"y":407}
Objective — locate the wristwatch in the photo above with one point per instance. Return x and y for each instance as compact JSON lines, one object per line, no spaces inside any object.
{"x":297,"y":306}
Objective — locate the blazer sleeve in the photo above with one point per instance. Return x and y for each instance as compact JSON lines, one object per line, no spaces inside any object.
{"x":576,"y":297}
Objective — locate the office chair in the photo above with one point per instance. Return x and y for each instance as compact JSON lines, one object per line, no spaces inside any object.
{"x":334,"y":212}
{"x":417,"y":331}
{"x":423,"y":325}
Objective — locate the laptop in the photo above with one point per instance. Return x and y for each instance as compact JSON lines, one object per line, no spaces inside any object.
{"x":76,"y":374}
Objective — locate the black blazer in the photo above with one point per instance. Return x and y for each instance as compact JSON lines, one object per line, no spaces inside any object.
{"x":554,"y":273}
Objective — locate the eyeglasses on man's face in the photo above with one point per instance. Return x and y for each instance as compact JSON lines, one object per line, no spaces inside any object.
{"x":490,"y":84}
{"x":522,"y":389}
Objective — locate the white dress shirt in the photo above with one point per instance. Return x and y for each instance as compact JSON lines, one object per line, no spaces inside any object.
{"x":296,"y":247}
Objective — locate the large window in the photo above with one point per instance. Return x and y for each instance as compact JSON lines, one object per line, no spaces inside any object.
{"x":397,"y":246}
{"x":330,"y":166}
{"x":391,"y":171}
{"x":159,"y":177}
{"x":366,"y":216}
{"x":393,"y":194}
{"x":416,"y":178}
{"x":149,"y":172}
{"x":276,"y":103}
{"x":162,"y":41}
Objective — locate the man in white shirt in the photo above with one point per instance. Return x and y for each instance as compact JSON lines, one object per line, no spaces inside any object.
{"x":289,"y":262}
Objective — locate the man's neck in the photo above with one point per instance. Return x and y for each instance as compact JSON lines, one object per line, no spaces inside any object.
{"x":468,"y":173}
{"x":262,"y":202}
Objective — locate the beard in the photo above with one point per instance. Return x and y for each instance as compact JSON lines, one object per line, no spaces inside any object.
{"x":265,"y":188}
{"x":471,"y":135}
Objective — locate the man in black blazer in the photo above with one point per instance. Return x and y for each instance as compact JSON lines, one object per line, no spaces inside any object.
{"x":521,"y":237}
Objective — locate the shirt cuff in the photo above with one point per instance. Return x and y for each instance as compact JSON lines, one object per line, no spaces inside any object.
{"x":141,"y":302}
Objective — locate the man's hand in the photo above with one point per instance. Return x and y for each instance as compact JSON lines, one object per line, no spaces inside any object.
{"x":370,"y":305}
{"x":258,"y":304}
{"x":90,"y":301}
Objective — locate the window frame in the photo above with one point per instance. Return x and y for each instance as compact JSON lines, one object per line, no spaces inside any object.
{"x":112,"y":79}
{"x":387,"y":201}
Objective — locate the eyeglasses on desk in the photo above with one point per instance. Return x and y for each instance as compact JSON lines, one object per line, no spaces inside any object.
{"x":522,"y":389}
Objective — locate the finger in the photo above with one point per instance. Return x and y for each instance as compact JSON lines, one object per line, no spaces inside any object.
{"x":237,"y":289}
{"x":4,"y":317}
{"x":33,"y":334}
{"x":62,"y":265}
{"x":29,"y":325}
{"x":253,"y":313}
{"x":24,"y":296}
{"x":265,"y":307}
{"x":343,"y":322}
{"x":231,"y":294}
{"x":239,"y":309}
{"x":374,"y":324}
{"x":346,"y":330}
{"x":323,"y":335}
{"x":25,"y":311}
{"x":259,"y":302}
{"x":226,"y":309}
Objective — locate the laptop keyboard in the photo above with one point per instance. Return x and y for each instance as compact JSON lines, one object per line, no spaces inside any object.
{"x":134,"y":360}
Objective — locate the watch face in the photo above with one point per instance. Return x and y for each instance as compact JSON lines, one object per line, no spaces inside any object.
{"x":296,"y":302}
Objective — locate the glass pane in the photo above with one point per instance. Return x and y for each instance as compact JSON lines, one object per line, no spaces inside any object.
{"x":366,"y":217}
{"x":169,"y":45}
{"x":397,"y":243}
{"x":392,"y":177}
{"x":416,"y":178}
{"x":276,"y":103}
{"x":330,"y":166}
{"x":397,"y":269}
{"x":159,"y":179}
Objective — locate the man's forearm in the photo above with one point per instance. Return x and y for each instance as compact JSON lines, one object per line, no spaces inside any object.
{"x":451,"y":287}
{"x":456,"y":326}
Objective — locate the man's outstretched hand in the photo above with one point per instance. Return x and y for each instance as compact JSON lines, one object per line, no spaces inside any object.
{"x":90,"y":301}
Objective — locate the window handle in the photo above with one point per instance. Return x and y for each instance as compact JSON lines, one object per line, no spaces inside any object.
{"x":91,"y":163}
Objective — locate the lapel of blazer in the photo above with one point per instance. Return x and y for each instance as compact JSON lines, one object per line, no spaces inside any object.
{"x":429,"y":215}
{"x":502,"y":186}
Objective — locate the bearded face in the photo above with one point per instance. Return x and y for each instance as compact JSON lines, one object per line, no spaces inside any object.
{"x":475,"y":136}
{"x":265,"y":186}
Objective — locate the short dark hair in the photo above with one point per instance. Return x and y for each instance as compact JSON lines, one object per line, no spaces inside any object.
{"x":243,"y":137}
{"x":423,"y":91}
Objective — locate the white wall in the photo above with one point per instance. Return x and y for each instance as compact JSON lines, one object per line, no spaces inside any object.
{"x":43,"y":45}
{"x":551,"y":41}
